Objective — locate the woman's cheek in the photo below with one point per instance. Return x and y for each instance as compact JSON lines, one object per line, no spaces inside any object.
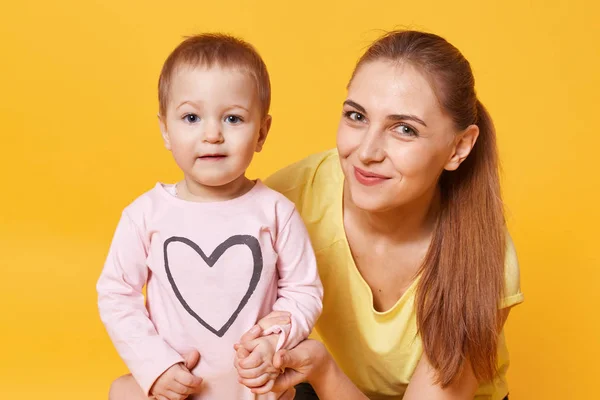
{"x":413,"y":161}
{"x":347,"y":140}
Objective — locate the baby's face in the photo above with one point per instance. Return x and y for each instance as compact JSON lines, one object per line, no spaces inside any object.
{"x":214,"y":123}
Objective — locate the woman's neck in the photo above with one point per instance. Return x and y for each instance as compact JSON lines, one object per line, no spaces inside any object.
{"x":409,"y":222}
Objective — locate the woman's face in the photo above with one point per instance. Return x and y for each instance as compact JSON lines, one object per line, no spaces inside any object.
{"x":394,"y":139}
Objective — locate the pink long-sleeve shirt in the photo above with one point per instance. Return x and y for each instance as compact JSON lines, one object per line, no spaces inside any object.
{"x":211,"y":271}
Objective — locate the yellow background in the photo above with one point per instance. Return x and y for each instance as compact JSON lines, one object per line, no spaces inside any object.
{"x":80,"y":141}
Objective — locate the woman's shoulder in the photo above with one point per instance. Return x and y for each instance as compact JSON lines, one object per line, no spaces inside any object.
{"x":512,"y":276}
{"x":313,"y":174}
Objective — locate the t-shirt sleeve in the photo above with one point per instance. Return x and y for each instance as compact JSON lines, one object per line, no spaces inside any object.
{"x":292,"y":180}
{"x":512,"y":280}
{"x":300,"y":291}
{"x":122,"y":308}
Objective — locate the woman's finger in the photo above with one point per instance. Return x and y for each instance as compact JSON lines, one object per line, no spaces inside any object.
{"x":282,"y":359}
{"x":288,"y":395}
{"x":288,"y":379}
{"x":285,"y":360}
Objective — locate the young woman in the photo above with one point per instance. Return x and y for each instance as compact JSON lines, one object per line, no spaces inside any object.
{"x":407,"y":223}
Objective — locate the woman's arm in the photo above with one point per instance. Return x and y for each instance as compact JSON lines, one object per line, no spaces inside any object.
{"x":310,"y":361}
{"x":422,"y":383}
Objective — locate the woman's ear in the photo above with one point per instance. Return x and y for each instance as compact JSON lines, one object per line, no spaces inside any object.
{"x":463,"y":144}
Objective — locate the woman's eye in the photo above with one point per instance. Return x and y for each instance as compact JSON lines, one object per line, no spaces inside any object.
{"x":233,"y":119}
{"x":191,"y":118}
{"x":406,"y":130}
{"x":355,"y":116}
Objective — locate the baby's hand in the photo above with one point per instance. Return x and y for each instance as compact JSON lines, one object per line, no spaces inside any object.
{"x":177,"y":382}
{"x":254,"y":363}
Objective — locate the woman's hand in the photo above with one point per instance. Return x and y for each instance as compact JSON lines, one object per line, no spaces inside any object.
{"x":310,"y":361}
{"x":306,"y":362}
{"x":260,"y":380}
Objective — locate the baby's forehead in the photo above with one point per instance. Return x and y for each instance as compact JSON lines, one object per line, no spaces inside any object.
{"x":185,"y":68}
{"x":185,"y":75}
{"x":214,"y":85}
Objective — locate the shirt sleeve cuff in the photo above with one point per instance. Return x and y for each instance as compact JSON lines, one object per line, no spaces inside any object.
{"x":148,"y":374}
{"x":511,"y":301}
{"x":282,"y":330}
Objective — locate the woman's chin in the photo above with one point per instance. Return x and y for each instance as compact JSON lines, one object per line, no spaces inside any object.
{"x":370,"y":202}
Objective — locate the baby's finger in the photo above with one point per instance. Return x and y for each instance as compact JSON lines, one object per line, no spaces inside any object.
{"x":171,"y":395}
{"x":252,"y":361}
{"x":279,"y":314}
{"x":252,"y":334}
{"x":177,"y":388}
{"x":189,"y":380}
{"x":256,"y":372}
{"x":266,"y":388}
{"x":237,"y":359}
{"x":255,"y":382}
{"x":159,"y":397}
{"x":275,"y":318}
{"x":241,"y":353}
{"x":250,"y":345}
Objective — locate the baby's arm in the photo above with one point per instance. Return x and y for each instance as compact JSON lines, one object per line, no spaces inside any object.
{"x":300,"y":291}
{"x":122,"y":308}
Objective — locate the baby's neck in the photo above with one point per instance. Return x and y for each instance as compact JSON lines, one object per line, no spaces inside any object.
{"x":190,"y":190}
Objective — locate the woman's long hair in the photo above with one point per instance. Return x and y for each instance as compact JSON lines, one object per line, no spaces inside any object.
{"x":462,"y":277}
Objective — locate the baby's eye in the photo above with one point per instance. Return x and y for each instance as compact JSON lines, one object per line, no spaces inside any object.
{"x":191,"y":118}
{"x":233,"y":119}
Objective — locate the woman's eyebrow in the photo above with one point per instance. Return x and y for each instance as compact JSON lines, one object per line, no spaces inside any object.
{"x":394,"y":117}
{"x":355,"y":105}
{"x":402,"y":117}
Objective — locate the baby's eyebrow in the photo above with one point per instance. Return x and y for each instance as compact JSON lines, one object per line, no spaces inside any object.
{"x":238,"y":106}
{"x":187,"y":102}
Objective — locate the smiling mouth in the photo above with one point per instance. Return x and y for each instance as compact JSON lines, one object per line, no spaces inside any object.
{"x":368,"y":178}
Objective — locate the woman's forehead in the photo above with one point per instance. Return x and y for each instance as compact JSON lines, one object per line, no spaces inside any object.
{"x":392,"y":87}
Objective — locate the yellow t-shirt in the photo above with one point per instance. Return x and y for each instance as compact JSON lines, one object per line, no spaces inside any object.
{"x":379,"y":351}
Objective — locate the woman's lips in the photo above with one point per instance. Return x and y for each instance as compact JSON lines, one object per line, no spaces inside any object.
{"x":368,"y":178}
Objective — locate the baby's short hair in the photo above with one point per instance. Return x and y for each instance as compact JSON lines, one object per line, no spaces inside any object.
{"x":215,"y":49}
